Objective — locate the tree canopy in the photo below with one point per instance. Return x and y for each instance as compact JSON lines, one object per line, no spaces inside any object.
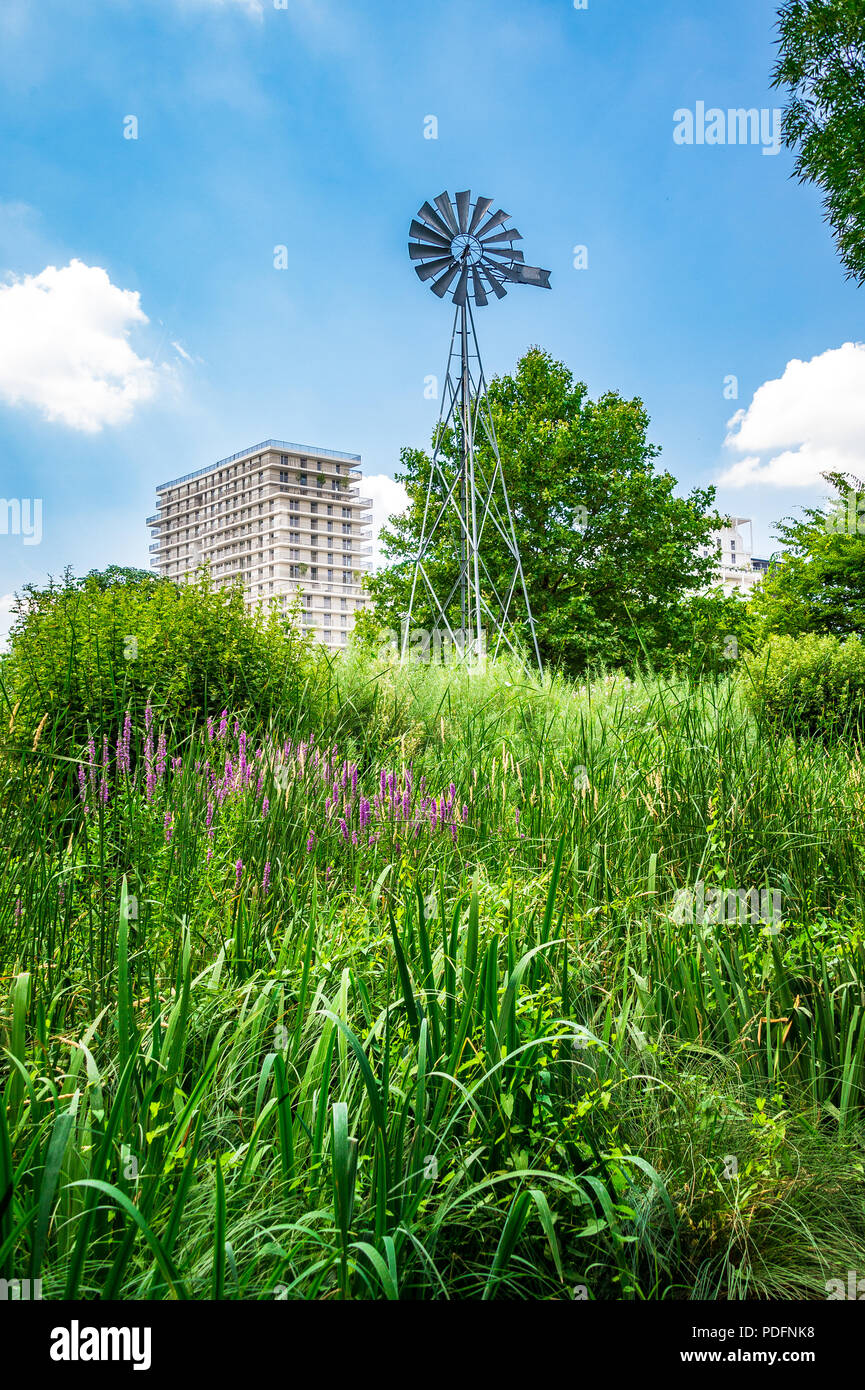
{"x":611,"y":554}
{"x":818,"y":582}
{"x":821,"y":63}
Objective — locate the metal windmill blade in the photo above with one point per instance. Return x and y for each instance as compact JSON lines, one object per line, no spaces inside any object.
{"x":466,"y":251}
{"x":459,"y":235}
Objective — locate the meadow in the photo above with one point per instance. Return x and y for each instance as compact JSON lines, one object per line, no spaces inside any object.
{"x":392,"y":995}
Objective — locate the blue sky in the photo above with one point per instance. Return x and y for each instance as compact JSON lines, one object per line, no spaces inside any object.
{"x":304,"y":127}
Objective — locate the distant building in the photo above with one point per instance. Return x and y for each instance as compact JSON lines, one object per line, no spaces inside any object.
{"x":738,"y":568}
{"x":287,"y":519}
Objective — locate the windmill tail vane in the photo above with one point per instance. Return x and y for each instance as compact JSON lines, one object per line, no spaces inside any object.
{"x":467,"y":251}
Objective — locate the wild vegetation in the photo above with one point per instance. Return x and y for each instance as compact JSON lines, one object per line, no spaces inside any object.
{"x":396,"y":992}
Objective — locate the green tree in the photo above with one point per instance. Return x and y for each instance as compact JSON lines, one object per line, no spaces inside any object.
{"x":83,"y":651}
{"x":822,"y":64}
{"x":610,"y":553}
{"x":818,"y":583}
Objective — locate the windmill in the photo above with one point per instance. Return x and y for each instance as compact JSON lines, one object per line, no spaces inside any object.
{"x":468,"y":252}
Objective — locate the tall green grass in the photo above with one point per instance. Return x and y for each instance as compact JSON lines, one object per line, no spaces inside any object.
{"x":487,"y":1063}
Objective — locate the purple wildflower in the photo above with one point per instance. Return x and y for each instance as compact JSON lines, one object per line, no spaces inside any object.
{"x":238,"y":872}
{"x":265,"y":877}
{"x":123,"y":745}
{"x":103,"y":783}
{"x":161,"y":757}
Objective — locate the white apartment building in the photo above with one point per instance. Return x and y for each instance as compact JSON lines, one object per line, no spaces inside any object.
{"x":738,"y":568}
{"x":288,"y":519}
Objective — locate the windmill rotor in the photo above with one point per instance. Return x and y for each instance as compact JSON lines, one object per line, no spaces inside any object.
{"x":467,"y":251}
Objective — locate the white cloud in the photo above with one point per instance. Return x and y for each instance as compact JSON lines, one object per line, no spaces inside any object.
{"x":64,"y":347}
{"x":389,"y":498}
{"x":808,"y":421}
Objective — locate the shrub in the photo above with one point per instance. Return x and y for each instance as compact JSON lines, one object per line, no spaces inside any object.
{"x":84,"y":651}
{"x":812,"y":684}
